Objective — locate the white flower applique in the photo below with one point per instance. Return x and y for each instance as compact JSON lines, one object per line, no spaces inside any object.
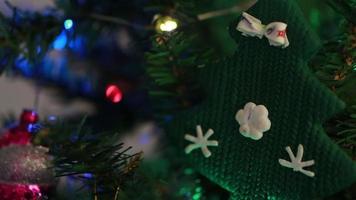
{"x":253,"y":120}
{"x":201,"y":141}
{"x":296,"y":162}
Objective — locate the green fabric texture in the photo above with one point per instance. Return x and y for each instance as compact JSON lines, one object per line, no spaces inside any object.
{"x":297,"y":102}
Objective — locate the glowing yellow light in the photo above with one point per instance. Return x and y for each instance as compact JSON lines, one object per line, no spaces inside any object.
{"x":168,"y":26}
{"x":166,"y":23}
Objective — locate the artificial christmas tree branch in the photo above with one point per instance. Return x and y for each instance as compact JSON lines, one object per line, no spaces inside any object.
{"x":345,"y":7}
{"x":334,"y":66}
{"x":77,"y":152}
{"x":172,"y":61}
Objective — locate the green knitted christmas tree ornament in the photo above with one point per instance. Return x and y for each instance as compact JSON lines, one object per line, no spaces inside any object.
{"x":259,"y":133}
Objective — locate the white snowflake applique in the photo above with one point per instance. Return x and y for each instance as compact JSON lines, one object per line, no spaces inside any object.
{"x":296,"y":163}
{"x":201,"y":141}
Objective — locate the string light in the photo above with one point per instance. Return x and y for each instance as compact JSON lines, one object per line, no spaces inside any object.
{"x":168,"y":26}
{"x":113,"y":93}
{"x":68,"y":24}
{"x":165,"y":23}
{"x":61,"y":41}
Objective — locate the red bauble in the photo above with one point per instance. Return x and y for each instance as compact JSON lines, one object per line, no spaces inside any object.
{"x":28,"y":117}
{"x":19,"y":192}
{"x":19,"y":135}
{"x":15,"y":137}
{"x":113,"y":93}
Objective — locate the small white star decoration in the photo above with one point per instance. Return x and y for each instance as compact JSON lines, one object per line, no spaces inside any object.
{"x":296,"y":163}
{"x":201,"y":141}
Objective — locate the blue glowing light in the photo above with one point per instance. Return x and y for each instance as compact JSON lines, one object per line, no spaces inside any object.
{"x":87,"y":86}
{"x":34,"y":128}
{"x":78,"y":45}
{"x":144,"y":139}
{"x":25,"y":66}
{"x":61,"y":41}
{"x":52,"y":118}
{"x":88,"y":175}
{"x":68,"y":24}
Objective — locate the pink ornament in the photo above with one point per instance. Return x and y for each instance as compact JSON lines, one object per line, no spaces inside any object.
{"x":19,"y":192}
{"x":19,"y":135}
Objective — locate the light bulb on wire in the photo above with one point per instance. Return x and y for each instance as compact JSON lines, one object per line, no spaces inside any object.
{"x":113,"y":93}
{"x":68,"y":24}
{"x":168,"y":26}
{"x":165,"y":23}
